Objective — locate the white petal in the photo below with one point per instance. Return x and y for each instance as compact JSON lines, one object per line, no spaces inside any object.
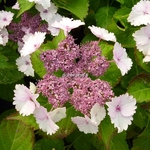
{"x":146,"y":58}
{"x":85,"y":124}
{"x":25,"y":108}
{"x":25,"y":66}
{"x":58,"y":114}
{"x":140,"y":13}
{"x":44,"y":121}
{"x":122,"y":61}
{"x":121,"y":122}
{"x":98,"y":113}
{"x":102,"y":33}
{"x":32,"y":43}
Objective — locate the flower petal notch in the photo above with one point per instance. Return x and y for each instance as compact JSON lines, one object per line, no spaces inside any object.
{"x":102,"y":33}
{"x":140,"y":14}
{"x":25,"y":101}
{"x":123,"y":62}
{"x":67,"y":24}
{"x":121,"y":110}
{"x":44,"y":120}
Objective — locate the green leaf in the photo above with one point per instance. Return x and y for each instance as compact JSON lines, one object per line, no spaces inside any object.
{"x":120,"y":1}
{"x":38,"y":64}
{"x":106,"y":131}
{"x":80,"y":141}
{"x":77,"y":7}
{"x":139,"y":88}
{"x":104,"y":16}
{"x":119,"y":142}
{"x":112,"y":75}
{"x":140,"y":117}
{"x":27,"y":120}
{"x":8,"y":70}
{"x":24,"y":6}
{"x":121,"y":15}
{"x":47,"y":144}
{"x":129,"y":3}
{"x":143,"y":140}
{"x":14,"y":135}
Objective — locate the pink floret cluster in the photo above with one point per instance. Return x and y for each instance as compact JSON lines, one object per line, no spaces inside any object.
{"x":75,"y":86}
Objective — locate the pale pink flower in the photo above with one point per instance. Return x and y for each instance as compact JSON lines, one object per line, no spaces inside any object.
{"x":24,"y":65}
{"x":121,"y":110}
{"x":67,"y":24}
{"x":25,"y":101}
{"x":140,"y":14}
{"x":5,"y":18}
{"x":46,"y":14}
{"x":102,"y":33}
{"x":4,"y":36}
{"x":44,"y":120}
{"x":45,"y":3}
{"x":142,"y":38}
{"x":87,"y":125}
{"x":58,"y":114}
{"x":123,"y":62}
{"x":54,"y":31}
{"x":16,"y":6}
{"x":32,"y":42}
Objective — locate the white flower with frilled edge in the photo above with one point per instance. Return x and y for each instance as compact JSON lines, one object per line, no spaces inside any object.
{"x":32,"y":42}
{"x":140,"y":14}
{"x":121,"y":110}
{"x":67,"y":24}
{"x":123,"y":62}
{"x":45,"y":3}
{"x":24,"y":65}
{"x":5,"y":18}
{"x":3,"y":36}
{"x":102,"y":33}
{"x":47,"y":120}
{"x":90,"y":125}
{"x":142,"y":39}
{"x":25,"y":99}
{"x":47,"y":14}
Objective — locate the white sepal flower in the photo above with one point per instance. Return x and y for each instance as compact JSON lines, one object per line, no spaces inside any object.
{"x":140,"y":14}
{"x":46,"y":14}
{"x":67,"y":24}
{"x":85,"y":124}
{"x":44,"y":120}
{"x":142,"y":38}
{"x":5,"y":18}
{"x":123,"y":62}
{"x":90,"y":125}
{"x":45,"y":3}
{"x":121,"y":110}
{"x":24,"y":65}
{"x":25,"y":101}
{"x":102,"y":33}
{"x":32,"y":42}
{"x":3,"y":36}
{"x":58,"y":114}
